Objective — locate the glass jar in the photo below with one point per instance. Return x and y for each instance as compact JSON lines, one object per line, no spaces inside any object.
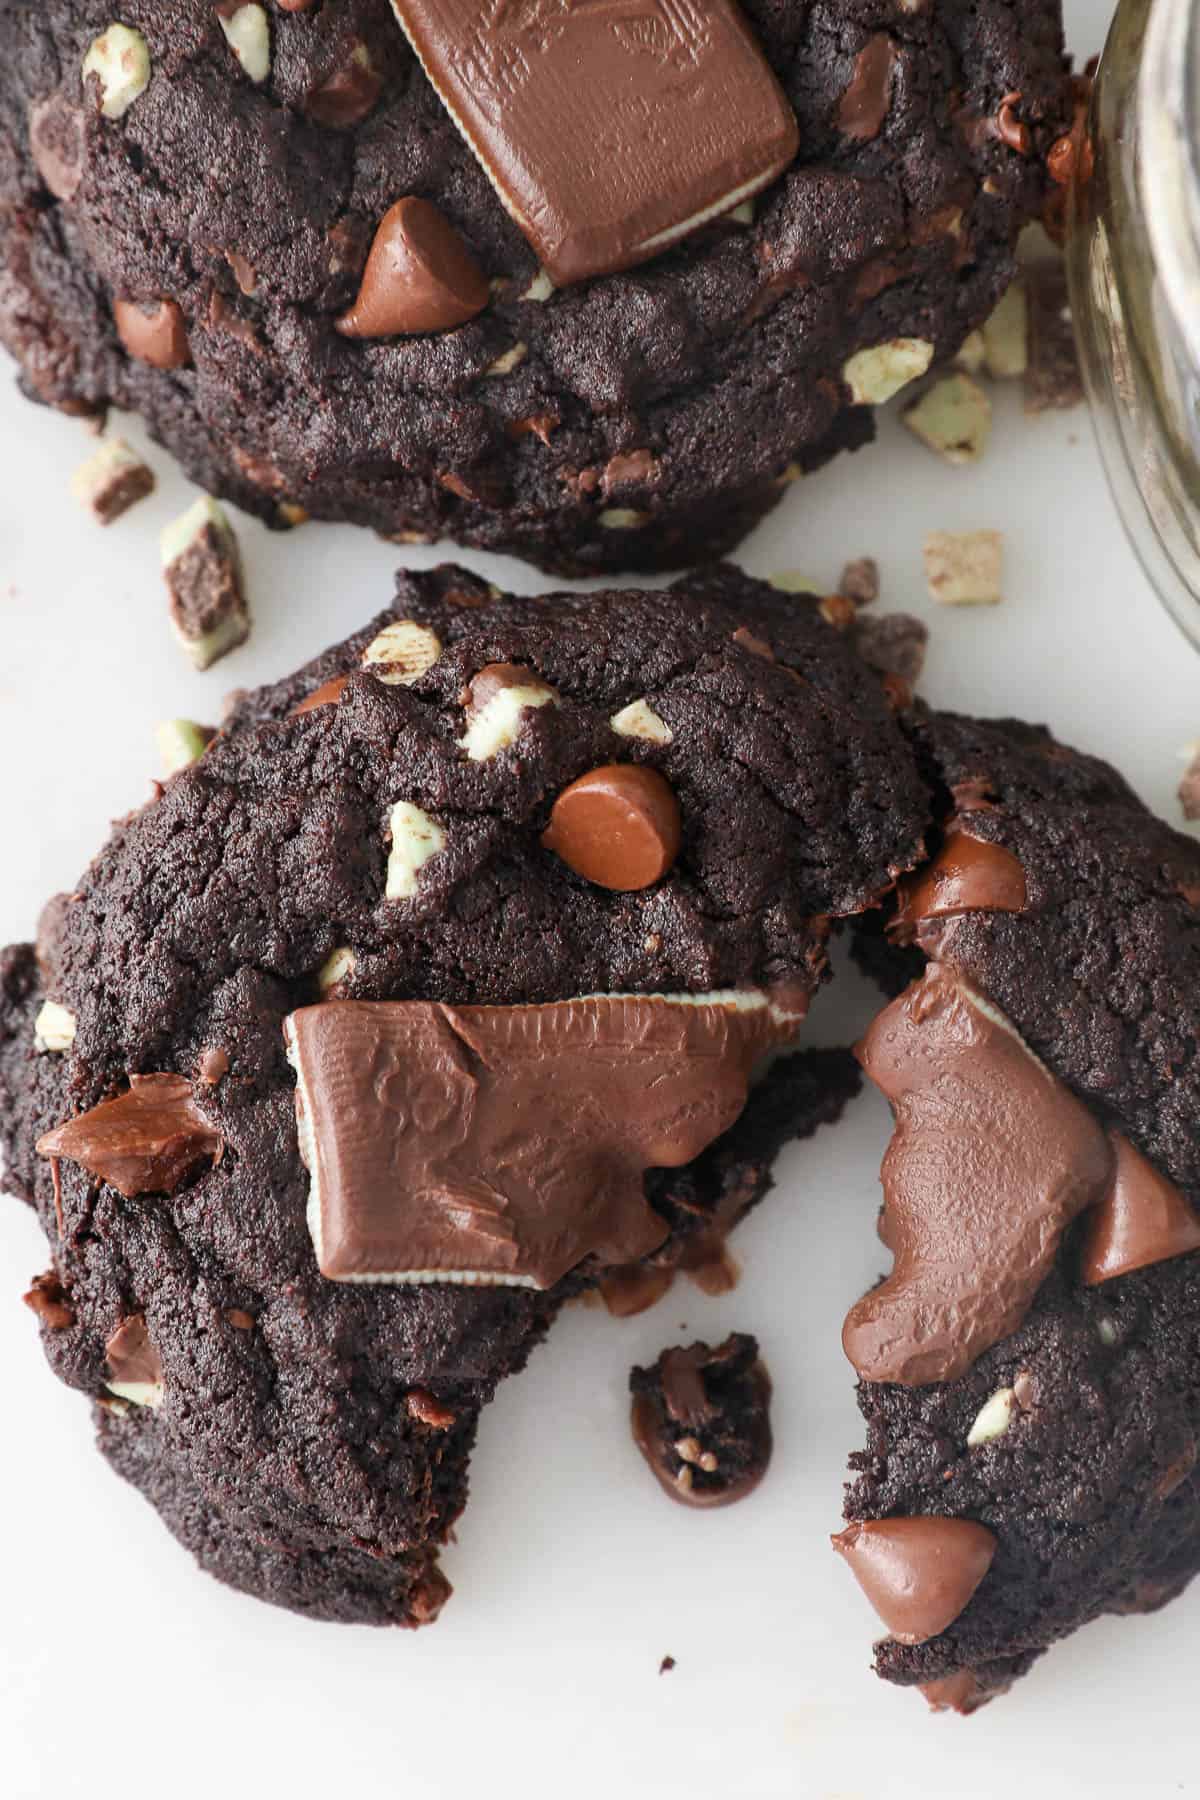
{"x":1134,"y":255}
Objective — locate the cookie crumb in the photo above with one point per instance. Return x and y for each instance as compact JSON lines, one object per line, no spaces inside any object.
{"x":666,"y":1665}
{"x":860,"y":581}
{"x":893,"y":644}
{"x":701,"y":1419}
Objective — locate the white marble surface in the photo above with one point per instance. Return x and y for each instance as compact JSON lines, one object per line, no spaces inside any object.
{"x":123,"y":1671}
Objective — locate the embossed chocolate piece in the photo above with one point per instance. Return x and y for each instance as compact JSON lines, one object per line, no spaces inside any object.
{"x":146,"y":1141}
{"x":505,"y":1144}
{"x":968,"y":874}
{"x":609,"y":128}
{"x":133,"y":1367}
{"x":420,"y":276}
{"x":918,"y":1573}
{"x":618,"y":826}
{"x":990,"y":1161}
{"x":1142,"y":1219}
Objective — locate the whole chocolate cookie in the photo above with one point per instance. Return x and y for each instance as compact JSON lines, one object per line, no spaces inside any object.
{"x":261,"y":228}
{"x":350,"y":1059}
{"x":1029,"y":1367}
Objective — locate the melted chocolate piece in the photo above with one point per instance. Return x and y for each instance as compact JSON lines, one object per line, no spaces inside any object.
{"x":918,"y":1573}
{"x":968,"y":874}
{"x":991,"y":1159}
{"x":864,"y":105}
{"x":609,"y":128}
{"x":507,"y":1143}
{"x":146,"y":1141}
{"x":1142,"y":1219}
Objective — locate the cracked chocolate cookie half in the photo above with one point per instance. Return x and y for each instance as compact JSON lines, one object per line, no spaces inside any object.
{"x":439,"y":987}
{"x":1028,"y":1369}
{"x":339,"y":279}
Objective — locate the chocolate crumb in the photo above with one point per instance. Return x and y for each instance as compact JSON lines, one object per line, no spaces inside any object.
{"x":701,"y":1419}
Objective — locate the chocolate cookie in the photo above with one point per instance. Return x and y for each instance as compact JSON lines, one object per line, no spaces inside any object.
{"x":262,"y":228}
{"x":701,"y":1419}
{"x":1029,"y":1367}
{"x":432,"y":992}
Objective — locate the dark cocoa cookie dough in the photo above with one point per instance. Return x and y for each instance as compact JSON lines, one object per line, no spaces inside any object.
{"x":312,"y":1440}
{"x":701,"y":1419}
{"x":644,"y":419}
{"x":1073,"y":1440}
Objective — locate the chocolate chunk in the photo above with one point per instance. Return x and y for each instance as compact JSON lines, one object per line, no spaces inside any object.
{"x":991,"y":1159}
{"x":918,"y":1573}
{"x":203,"y":572}
{"x":328,"y":694}
{"x":701,"y":1419}
{"x":420,"y":276}
{"x":112,"y":481}
{"x":864,"y":105}
{"x":154,"y":334}
{"x":56,"y":144}
{"x":146,"y":1141}
{"x":48,"y":1300}
{"x":892,"y":644}
{"x":505,"y":1144}
{"x":1142,"y":1219}
{"x":133,"y":1367}
{"x":968,"y":874}
{"x":617,"y":826}
{"x":608,"y":132}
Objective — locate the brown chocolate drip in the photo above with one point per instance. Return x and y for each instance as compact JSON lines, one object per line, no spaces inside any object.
{"x":969,"y":874}
{"x":990,"y":1161}
{"x":608,"y":131}
{"x":1142,"y":1219}
{"x":706,"y":1261}
{"x":508,"y":1141}
{"x":963,"y":1692}
{"x":918,"y":1573}
{"x":146,"y":1141}
{"x":864,"y":105}
{"x":634,"y":1289}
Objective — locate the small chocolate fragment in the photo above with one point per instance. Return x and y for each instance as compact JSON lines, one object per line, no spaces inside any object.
{"x":345,"y":99}
{"x":146,"y":1141}
{"x":1142,"y":1219}
{"x":56,"y":145}
{"x":701,"y":1419}
{"x":154,"y":334}
{"x":328,"y":694}
{"x":607,"y":132}
{"x":864,"y":105}
{"x":506,"y":1143}
{"x":133,"y":1367}
{"x":240,"y":1320}
{"x":214,"y":1065}
{"x":203,"y":572}
{"x":48,"y":1300}
{"x":420,"y":276}
{"x":430,"y":1411}
{"x":112,"y":481}
{"x":918,"y":1573}
{"x":666,"y":1665}
{"x":617,"y":826}
{"x":968,"y":874}
{"x":991,"y":1159}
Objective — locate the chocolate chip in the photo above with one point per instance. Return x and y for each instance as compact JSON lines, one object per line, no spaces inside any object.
{"x":348,"y":95}
{"x":48,"y":1300}
{"x":430,"y":1411}
{"x":918,"y":1573}
{"x":1142,"y":1219}
{"x":420,"y":276}
{"x":153,"y":333}
{"x":618,"y":826}
{"x":328,"y":694}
